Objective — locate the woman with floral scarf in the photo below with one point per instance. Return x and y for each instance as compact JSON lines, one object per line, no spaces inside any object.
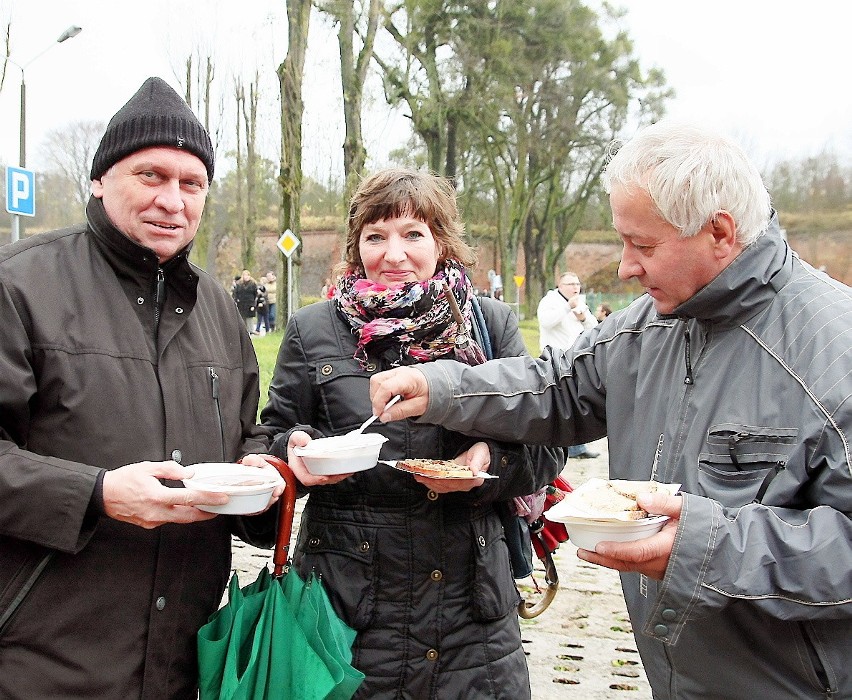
{"x":417,"y":566}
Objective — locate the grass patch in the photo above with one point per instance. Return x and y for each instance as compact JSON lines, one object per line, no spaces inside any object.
{"x":266,"y":349}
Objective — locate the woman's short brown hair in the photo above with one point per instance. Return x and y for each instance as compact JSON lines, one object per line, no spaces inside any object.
{"x":395,"y":192}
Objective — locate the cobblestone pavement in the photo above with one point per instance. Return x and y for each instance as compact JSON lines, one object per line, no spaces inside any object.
{"x":582,"y":646}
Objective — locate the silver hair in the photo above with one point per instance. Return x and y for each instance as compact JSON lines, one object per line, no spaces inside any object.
{"x":691,"y":174}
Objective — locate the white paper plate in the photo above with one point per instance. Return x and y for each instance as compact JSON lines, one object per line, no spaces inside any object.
{"x":393,"y":463}
{"x":249,"y":488}
{"x":341,"y":454}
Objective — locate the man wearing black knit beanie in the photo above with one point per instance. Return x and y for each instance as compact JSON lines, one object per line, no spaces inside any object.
{"x":121,"y":366}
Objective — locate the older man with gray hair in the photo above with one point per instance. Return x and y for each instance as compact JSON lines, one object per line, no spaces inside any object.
{"x":731,"y":376}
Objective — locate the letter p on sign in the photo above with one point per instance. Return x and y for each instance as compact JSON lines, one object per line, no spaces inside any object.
{"x":20,"y":191}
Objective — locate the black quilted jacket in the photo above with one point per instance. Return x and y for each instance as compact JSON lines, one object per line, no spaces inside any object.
{"x":423,"y":577}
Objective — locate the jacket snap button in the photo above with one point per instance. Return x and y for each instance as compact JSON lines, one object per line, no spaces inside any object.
{"x":326,"y":370}
{"x":432,"y":655}
{"x":314,"y":542}
{"x":140,"y":300}
{"x":661,"y":630}
{"x":371,"y":366}
{"x":177,"y":456}
{"x":437,"y":575}
{"x":669,"y":615}
{"x":432,"y":496}
{"x":481,"y":541}
{"x":161,"y":603}
{"x":504,"y":460}
{"x":365,"y":547}
{"x":179,"y":310}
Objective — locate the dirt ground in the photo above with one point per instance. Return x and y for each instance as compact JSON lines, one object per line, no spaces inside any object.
{"x":582,"y":646}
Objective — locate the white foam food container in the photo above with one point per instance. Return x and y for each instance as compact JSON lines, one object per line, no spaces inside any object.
{"x":249,"y":489}
{"x":341,"y":454}
{"x":586,"y":534}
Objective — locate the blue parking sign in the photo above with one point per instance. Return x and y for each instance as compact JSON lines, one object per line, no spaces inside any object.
{"x":20,"y":191}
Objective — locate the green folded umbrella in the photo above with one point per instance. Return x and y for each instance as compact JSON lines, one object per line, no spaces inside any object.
{"x":278,"y":637}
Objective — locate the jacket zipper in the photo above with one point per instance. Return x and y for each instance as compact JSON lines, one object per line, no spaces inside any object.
{"x":214,"y":387}
{"x":159,"y":297}
{"x":775,"y":471}
{"x":688,"y":379}
{"x":24,"y":591}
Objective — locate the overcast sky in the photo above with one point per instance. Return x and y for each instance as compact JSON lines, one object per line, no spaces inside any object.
{"x":772,"y":74}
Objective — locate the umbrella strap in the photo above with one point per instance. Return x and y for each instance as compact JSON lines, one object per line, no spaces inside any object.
{"x":480,"y":330}
{"x":528,"y":610}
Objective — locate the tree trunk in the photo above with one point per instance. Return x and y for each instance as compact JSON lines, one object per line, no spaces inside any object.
{"x":353,"y":72}
{"x":251,"y":172}
{"x":203,"y":243}
{"x":290,"y":76}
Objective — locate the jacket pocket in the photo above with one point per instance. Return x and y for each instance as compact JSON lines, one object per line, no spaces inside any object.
{"x":344,"y":388}
{"x":494,"y":594}
{"x":741,"y":461}
{"x":27,"y":573}
{"x":819,"y":671}
{"x":344,"y":556}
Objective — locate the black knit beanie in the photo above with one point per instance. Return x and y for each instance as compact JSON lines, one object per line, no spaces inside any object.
{"x":155,"y":116}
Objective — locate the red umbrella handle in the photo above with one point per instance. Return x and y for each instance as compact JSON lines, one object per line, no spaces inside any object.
{"x":285,"y":515}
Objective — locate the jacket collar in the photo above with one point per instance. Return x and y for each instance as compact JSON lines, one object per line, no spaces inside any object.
{"x":127,"y":257}
{"x":747,"y":285}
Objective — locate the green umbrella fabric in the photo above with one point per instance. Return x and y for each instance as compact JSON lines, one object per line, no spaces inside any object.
{"x":277,"y":637}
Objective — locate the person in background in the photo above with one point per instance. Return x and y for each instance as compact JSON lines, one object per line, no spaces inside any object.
{"x":418,"y":566}
{"x":245,"y":297}
{"x":123,"y":364}
{"x":261,"y":305}
{"x":495,"y":284}
{"x":562,"y":316}
{"x":602,"y":311}
{"x":731,"y":376}
{"x":272,"y":297}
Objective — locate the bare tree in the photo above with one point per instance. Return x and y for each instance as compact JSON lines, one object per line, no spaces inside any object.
{"x":70,"y":150}
{"x":290,"y":77}
{"x":354,"y":21}
{"x":239,"y":209}
{"x":209,"y":236}
{"x":7,"y":51}
{"x":249,"y":115}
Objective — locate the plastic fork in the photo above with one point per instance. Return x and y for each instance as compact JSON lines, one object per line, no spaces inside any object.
{"x":369,"y":421}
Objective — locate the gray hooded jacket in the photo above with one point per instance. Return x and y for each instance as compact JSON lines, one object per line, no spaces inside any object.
{"x":749,"y":389}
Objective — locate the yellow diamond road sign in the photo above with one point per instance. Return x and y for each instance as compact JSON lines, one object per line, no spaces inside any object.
{"x":288,"y":243}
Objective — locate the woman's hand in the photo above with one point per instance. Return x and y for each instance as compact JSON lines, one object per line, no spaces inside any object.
{"x":300,"y":438}
{"x":478,"y":458}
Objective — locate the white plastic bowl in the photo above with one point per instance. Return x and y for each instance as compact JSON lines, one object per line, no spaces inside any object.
{"x":249,"y":488}
{"x":586,"y":534}
{"x":341,"y":454}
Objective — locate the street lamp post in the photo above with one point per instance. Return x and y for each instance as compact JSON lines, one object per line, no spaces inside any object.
{"x":69,"y":33}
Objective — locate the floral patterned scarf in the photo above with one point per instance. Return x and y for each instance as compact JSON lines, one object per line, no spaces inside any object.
{"x":413,"y":318}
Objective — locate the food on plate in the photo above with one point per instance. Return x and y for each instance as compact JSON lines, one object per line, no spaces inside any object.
{"x":249,"y":489}
{"x":614,"y":497}
{"x":234,"y":481}
{"x":438,"y":468}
